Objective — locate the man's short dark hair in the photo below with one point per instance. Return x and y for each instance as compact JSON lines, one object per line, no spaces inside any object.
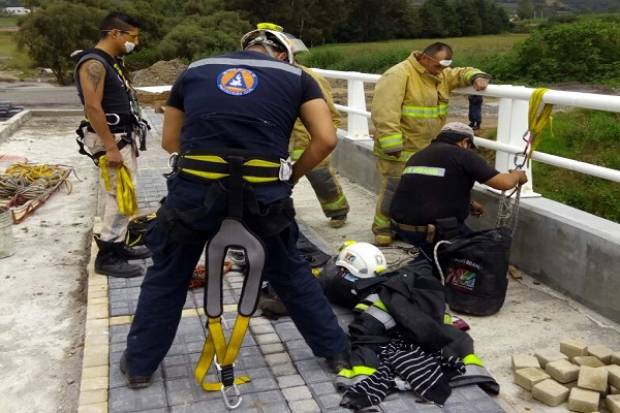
{"x":433,"y":49}
{"x":118,"y":21}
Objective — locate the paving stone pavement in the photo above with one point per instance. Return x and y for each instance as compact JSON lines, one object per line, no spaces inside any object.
{"x":286,"y":377}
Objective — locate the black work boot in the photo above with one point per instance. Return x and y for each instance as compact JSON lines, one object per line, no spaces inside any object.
{"x":111,"y":263}
{"x":138,"y":252}
{"x":133,"y":382}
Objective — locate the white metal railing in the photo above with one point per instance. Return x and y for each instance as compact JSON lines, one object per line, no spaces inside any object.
{"x":511,"y":123}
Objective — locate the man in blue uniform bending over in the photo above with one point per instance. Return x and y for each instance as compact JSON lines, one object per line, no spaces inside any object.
{"x":242,"y":103}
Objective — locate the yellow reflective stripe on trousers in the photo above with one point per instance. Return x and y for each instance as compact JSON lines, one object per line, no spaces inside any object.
{"x":379,"y":304}
{"x":359,"y":370}
{"x":381,"y":222}
{"x":215,"y":346}
{"x":391,"y":141}
{"x":472,"y":359}
{"x":339,"y":203}
{"x":425,"y":112}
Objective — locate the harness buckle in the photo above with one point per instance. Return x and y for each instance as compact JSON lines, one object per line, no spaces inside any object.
{"x":230,"y":391}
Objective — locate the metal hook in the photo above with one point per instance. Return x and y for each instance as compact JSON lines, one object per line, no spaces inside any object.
{"x":116,"y":121}
{"x":236,"y":396}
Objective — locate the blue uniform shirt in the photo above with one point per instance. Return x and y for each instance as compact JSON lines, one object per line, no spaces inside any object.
{"x":242,"y":100}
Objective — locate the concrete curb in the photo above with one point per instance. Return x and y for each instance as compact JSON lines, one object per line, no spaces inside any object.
{"x":9,"y":127}
{"x":95,"y":360}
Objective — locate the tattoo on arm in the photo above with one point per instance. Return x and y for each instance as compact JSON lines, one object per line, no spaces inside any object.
{"x":96,"y":73}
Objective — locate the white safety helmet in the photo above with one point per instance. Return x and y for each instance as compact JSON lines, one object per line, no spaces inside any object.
{"x":361,"y":259}
{"x":271,"y":36}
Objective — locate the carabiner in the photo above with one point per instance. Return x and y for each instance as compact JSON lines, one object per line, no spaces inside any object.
{"x":236,"y":396}
{"x":117,"y":119}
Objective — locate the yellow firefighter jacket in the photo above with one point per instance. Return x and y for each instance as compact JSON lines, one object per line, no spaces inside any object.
{"x":300,"y":138}
{"x":410,"y":105}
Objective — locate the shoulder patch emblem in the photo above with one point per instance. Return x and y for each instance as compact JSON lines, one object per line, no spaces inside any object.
{"x":237,"y":81}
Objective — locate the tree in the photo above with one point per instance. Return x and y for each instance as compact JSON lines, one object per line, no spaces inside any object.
{"x":470,"y":21}
{"x":58,"y":28}
{"x":525,"y":9}
{"x":314,"y":21}
{"x":204,"y":36}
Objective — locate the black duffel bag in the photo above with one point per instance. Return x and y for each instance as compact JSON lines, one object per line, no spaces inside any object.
{"x":474,"y":270}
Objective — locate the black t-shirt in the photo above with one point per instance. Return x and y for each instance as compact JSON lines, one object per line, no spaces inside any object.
{"x":436,"y":183}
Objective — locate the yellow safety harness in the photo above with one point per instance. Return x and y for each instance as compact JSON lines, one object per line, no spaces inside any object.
{"x":232,"y":233}
{"x":125,"y":187}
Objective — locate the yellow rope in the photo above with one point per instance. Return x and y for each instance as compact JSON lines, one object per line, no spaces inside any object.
{"x":538,"y":117}
{"x":125,"y":188}
{"x":30,"y":181}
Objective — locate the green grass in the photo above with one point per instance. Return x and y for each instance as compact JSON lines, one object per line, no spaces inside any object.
{"x":11,"y":57}
{"x":588,"y":136}
{"x":8,"y":21}
{"x":376,"y":57}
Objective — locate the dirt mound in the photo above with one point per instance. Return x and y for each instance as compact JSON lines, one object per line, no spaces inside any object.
{"x":164,"y":72}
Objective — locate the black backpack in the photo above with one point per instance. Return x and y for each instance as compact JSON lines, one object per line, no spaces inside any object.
{"x":474,"y":269}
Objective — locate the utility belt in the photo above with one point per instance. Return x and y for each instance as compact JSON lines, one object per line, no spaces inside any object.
{"x":118,"y":123}
{"x":214,"y":165}
{"x":443,"y":228}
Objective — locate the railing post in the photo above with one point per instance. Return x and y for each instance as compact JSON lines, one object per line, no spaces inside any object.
{"x":357,"y":125}
{"x":511,"y":125}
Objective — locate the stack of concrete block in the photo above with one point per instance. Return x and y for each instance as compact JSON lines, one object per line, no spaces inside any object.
{"x":579,"y":374}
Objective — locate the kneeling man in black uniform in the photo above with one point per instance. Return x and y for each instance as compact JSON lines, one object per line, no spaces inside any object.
{"x":433,"y":197}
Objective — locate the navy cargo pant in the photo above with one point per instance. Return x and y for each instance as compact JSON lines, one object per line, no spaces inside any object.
{"x":165,"y":285}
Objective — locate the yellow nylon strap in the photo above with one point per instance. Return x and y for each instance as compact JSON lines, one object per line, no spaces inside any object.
{"x":125,"y":188}
{"x":215,"y":346}
{"x":538,"y":118}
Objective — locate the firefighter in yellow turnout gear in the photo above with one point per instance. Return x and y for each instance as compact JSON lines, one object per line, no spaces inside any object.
{"x":409,"y":107}
{"x":322,"y":177}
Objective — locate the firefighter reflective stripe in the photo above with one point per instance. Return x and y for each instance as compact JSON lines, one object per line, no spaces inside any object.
{"x":226,"y":61}
{"x":378,"y":303}
{"x":296,"y":154}
{"x":391,"y":141}
{"x":340,"y":202}
{"x":425,"y":112}
{"x":125,"y":187}
{"x":472,"y":359}
{"x":469,"y":75}
{"x":361,"y":307}
{"x":359,"y":370}
{"x":383,"y":317}
{"x":424,"y":170}
{"x":215,"y":348}
{"x":381,"y":221}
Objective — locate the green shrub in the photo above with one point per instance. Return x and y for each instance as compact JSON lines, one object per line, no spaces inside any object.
{"x":585,"y":51}
{"x":588,"y":136}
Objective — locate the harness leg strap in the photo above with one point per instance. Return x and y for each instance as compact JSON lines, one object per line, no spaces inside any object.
{"x":232,"y":233}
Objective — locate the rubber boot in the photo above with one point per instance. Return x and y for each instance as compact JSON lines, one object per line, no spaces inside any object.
{"x":110,"y":262}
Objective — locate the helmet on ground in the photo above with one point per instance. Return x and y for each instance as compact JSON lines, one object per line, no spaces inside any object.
{"x":273,"y":38}
{"x":361,"y":259}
